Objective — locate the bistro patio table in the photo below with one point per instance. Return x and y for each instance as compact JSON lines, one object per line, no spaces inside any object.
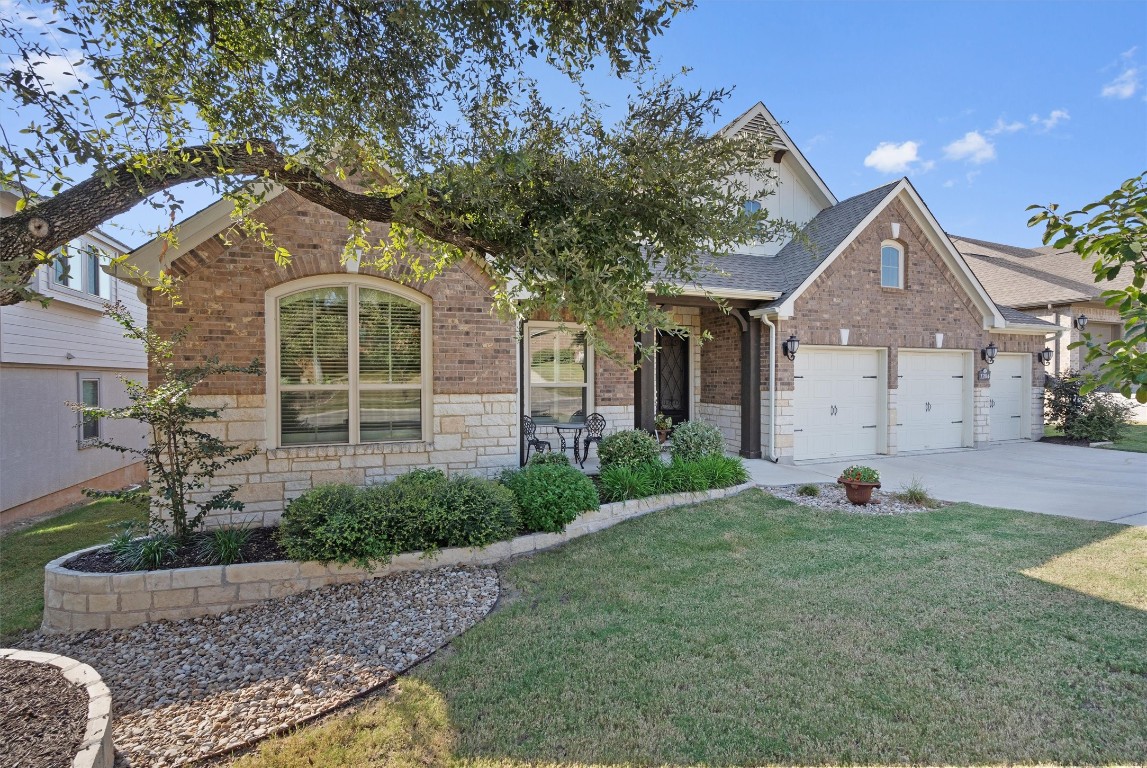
{"x":571,"y":426}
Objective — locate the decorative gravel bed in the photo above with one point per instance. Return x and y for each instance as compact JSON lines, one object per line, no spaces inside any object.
{"x":42,"y":716}
{"x":832,"y":496}
{"x":188,"y":689}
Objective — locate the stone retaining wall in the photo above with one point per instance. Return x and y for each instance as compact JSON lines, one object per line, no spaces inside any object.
{"x":96,"y":750}
{"x":76,"y":601}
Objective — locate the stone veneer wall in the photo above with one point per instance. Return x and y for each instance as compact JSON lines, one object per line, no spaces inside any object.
{"x":76,"y":601}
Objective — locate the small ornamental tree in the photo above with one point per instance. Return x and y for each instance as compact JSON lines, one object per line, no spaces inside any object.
{"x":180,"y":458}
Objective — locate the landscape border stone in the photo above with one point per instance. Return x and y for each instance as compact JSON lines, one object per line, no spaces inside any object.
{"x":75,"y":601}
{"x":96,"y":750}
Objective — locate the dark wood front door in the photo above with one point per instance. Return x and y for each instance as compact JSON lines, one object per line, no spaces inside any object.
{"x":673,"y":377}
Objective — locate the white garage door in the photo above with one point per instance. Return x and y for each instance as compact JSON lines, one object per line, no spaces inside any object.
{"x":836,"y":403}
{"x":1007,"y":403}
{"x":932,"y":405}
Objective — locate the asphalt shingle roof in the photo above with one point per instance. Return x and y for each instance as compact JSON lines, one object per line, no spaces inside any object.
{"x":1027,"y":277}
{"x":1013,"y":315}
{"x":785,"y":271}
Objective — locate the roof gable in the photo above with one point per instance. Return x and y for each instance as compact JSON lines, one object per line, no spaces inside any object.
{"x":758,"y":119}
{"x":831,"y":232}
{"x":1026,"y":277}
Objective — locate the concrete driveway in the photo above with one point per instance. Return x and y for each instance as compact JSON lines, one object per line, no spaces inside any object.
{"x":1088,"y":483}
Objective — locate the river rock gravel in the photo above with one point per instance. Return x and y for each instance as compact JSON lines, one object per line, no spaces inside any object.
{"x":184,"y":690}
{"x":832,"y":496}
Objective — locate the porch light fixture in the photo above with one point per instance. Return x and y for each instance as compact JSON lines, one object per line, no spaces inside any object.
{"x":790,"y":346}
{"x":988,"y":353}
{"x":1045,"y":356}
{"x":1080,"y":322}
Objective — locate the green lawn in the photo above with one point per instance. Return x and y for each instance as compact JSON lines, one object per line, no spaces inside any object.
{"x":1134,"y":438}
{"x":23,"y":554}
{"x":752,"y":631}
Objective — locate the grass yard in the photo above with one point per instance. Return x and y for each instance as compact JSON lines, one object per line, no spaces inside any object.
{"x":1134,"y":438}
{"x":24,"y":552}
{"x":752,"y":631}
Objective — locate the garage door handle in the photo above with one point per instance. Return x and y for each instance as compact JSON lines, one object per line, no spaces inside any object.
{"x":868,"y":426}
{"x":961,"y":421}
{"x":868,"y":377}
{"x":1015,"y":417}
{"x":1017,"y":377}
{"x":993,"y":404}
{"x":927,"y":407}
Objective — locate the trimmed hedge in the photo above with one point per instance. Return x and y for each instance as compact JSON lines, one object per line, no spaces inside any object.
{"x":620,"y":483}
{"x":550,"y":496}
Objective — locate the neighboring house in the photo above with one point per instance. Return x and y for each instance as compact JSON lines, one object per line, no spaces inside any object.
{"x":368,"y":376}
{"x":65,"y":352}
{"x":1055,"y":286}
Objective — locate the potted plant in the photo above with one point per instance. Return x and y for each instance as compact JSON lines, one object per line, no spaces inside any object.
{"x":662,"y":424}
{"x":858,"y":482}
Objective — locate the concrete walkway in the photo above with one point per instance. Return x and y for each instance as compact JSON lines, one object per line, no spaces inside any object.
{"x":1088,"y":483}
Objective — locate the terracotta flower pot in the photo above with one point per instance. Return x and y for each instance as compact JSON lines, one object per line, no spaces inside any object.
{"x":858,"y":493}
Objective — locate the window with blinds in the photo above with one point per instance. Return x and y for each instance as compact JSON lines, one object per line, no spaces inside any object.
{"x":350,"y":366}
{"x":560,"y":368}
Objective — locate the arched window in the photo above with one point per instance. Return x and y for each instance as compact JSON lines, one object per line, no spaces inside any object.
{"x":752,"y":206}
{"x":891,"y":265}
{"x":349,"y":361}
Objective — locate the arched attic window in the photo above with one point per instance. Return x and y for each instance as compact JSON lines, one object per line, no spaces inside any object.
{"x":891,"y":265}
{"x":348,"y":362}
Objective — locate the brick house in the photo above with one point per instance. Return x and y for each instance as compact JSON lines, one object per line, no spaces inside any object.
{"x":890,"y":320}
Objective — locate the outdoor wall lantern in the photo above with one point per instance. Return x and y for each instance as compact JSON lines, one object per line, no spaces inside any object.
{"x":1080,"y":322}
{"x":988,"y":353}
{"x":1045,"y":356}
{"x":790,"y":346}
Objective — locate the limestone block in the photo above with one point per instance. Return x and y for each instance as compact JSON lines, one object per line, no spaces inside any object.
{"x":349,"y":476}
{"x":248,"y":572}
{"x":93,"y":585}
{"x":75,"y":603}
{"x":135,"y":601}
{"x":260,"y":492}
{"x":208,"y":595}
{"x":129,"y":582}
{"x":209,"y":576}
{"x":103,"y":603}
{"x":448,"y":441}
{"x":175,"y":598}
{"x":124,"y":619}
{"x":82,"y":622}
{"x":254,"y":591}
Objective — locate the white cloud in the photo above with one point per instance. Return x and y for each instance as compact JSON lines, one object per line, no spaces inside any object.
{"x":889,"y":157}
{"x":1054,"y":118}
{"x":1002,"y":126}
{"x":973,"y":147}
{"x":29,"y":16}
{"x":1125,"y":85}
{"x":61,"y":72}
{"x":971,"y":176}
{"x":949,"y":183}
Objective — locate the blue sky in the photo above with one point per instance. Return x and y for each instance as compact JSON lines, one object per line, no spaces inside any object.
{"x":987,"y":107}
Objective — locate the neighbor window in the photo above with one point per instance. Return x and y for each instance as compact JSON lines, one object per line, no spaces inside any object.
{"x":62,"y":268}
{"x":89,"y":398}
{"x":96,"y":281}
{"x":891,"y":266}
{"x":351,"y":365}
{"x":560,"y":374}
{"x":752,"y":206}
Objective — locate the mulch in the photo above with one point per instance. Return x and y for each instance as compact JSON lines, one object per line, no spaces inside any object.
{"x":42,"y":716}
{"x":1061,"y":440}
{"x":261,"y":547}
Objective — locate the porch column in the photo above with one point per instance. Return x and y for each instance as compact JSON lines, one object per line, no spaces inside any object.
{"x":750,"y":385}
{"x":645,"y":398}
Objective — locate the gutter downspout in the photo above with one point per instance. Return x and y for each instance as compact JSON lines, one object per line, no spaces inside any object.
{"x":772,"y":454}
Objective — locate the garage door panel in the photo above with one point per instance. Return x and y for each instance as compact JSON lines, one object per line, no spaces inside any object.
{"x":836,"y":403}
{"x":1006,"y":398}
{"x":932,"y":402}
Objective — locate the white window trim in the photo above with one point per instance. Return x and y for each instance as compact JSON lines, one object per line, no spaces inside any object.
{"x":532,"y":325}
{"x":899,"y":266}
{"x":271,"y":314}
{"x":75,"y":293}
{"x":81,"y":441}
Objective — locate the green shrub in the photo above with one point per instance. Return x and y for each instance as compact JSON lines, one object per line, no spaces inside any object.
{"x":403,"y":507}
{"x":223,"y":546}
{"x":629,"y":448}
{"x":550,"y":496}
{"x":472,"y":512}
{"x":695,"y":440}
{"x":1104,"y":418}
{"x":619,"y":482}
{"x":808,"y":489}
{"x":543,"y":458}
{"x":327,"y":524}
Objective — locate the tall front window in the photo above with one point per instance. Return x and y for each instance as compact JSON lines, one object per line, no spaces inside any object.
{"x":560,"y":365}
{"x":891,"y":266}
{"x":90,"y":398}
{"x":350,"y":366}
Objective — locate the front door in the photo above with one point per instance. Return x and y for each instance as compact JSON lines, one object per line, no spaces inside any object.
{"x":673,"y":376}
